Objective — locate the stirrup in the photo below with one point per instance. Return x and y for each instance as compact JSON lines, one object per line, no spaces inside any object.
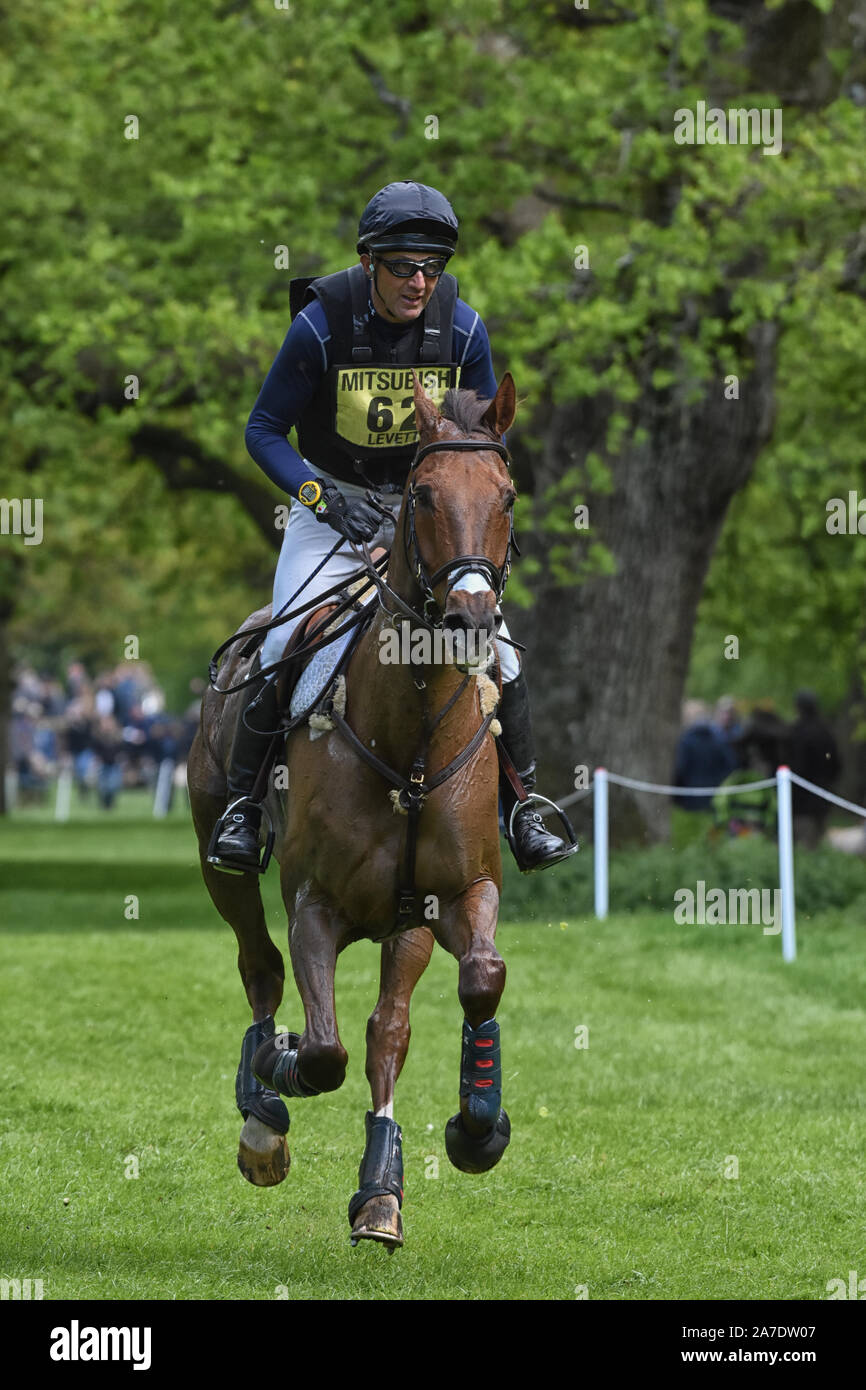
{"x":573,"y":846}
{"x":230,"y":866}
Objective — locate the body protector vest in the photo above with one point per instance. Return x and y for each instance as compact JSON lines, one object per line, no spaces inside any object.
{"x":360,"y":424}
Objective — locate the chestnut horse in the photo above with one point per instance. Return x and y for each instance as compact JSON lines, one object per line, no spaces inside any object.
{"x":342,"y":841}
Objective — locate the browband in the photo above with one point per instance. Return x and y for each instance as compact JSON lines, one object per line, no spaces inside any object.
{"x":468,"y":445}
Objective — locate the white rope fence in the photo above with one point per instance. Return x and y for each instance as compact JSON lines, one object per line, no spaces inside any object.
{"x":599,"y":789}
{"x":785,"y":831}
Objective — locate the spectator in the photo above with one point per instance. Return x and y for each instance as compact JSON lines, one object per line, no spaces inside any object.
{"x":704,"y":758}
{"x":107,"y":744}
{"x":78,"y":735}
{"x":727,"y":721}
{"x":813,"y":754}
{"x":104,"y":697}
{"x":77,"y":683}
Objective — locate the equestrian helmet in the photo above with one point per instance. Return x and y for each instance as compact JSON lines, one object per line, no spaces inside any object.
{"x":408,"y":214}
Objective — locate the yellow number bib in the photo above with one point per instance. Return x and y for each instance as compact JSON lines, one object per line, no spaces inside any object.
{"x":375,"y":407}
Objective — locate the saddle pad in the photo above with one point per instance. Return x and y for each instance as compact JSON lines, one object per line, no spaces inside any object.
{"x":316,"y":673}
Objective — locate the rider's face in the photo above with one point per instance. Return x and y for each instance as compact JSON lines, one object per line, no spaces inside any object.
{"x":399,"y":301}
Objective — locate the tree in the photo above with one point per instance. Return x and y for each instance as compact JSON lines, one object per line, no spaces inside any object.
{"x":204,"y":157}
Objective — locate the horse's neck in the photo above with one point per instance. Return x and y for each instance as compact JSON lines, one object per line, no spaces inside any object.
{"x":396,"y":718}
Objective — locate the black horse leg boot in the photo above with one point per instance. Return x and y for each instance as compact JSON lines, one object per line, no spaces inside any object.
{"x":235,"y":848}
{"x":532,"y":846}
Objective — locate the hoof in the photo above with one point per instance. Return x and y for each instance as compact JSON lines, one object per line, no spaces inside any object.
{"x":379,"y":1219}
{"x":263,"y":1155}
{"x":476,"y":1155}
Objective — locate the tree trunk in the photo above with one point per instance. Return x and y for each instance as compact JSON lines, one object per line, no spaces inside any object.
{"x":607,"y":661}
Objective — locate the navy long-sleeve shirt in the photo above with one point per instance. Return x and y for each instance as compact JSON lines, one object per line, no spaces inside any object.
{"x":303,"y":360}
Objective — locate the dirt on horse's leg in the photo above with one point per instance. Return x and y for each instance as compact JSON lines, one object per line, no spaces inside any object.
{"x":404,"y":961}
{"x":263,"y":1151}
{"x":476,"y":1138}
{"x":317,"y":935}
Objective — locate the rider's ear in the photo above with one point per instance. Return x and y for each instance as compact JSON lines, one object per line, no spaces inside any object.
{"x":427,"y":417}
{"x":501,"y":411}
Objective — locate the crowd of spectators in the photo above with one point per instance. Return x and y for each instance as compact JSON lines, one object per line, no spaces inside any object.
{"x":111,"y":730}
{"x":722,"y":746}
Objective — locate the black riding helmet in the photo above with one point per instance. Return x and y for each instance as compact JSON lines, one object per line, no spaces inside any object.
{"x":408,"y":214}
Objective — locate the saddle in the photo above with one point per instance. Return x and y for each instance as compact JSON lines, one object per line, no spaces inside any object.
{"x":305,"y":631}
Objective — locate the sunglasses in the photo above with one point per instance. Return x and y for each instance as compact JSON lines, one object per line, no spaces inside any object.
{"x":430,"y":268}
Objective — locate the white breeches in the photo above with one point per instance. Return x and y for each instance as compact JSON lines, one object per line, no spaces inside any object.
{"x":307,"y":541}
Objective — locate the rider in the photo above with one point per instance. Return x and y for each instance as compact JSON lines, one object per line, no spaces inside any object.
{"x":346,"y":360}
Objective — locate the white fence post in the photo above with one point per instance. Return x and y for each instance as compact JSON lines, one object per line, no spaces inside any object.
{"x":11,"y":787}
{"x":600,"y":843}
{"x":162,"y":794}
{"x":786,"y":862}
{"x":63,"y":798}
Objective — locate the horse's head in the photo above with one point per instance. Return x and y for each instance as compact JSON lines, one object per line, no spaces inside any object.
{"x":457,"y":511}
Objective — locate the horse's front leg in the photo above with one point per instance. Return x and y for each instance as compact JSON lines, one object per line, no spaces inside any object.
{"x":374,"y":1211}
{"x":316,"y":1060}
{"x":478,"y":1135}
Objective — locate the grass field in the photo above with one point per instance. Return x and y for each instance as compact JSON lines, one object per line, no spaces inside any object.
{"x":706,"y":1057}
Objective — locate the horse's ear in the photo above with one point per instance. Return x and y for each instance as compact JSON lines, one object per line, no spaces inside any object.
{"x":427,"y":417}
{"x":501,"y":411}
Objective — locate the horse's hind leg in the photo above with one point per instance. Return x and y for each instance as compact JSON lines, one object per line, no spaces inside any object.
{"x":478,"y":1135}
{"x":374,"y":1211}
{"x":263,"y":1152}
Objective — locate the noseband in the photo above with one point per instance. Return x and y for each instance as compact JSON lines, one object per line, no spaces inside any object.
{"x":496,"y":574}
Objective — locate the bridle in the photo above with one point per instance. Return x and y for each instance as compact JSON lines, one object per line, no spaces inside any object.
{"x":373,"y":570}
{"x":460,"y":564}
{"x":410,"y":791}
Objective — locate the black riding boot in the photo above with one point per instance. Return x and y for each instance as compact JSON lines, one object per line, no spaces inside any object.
{"x":532,"y":846}
{"x":237,"y":846}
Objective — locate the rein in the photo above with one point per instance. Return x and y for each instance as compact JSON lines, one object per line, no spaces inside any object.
{"x":414,"y":789}
{"x":373,"y":570}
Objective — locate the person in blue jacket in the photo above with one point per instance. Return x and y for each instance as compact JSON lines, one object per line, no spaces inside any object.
{"x":704,"y":758}
{"x":343,"y":379}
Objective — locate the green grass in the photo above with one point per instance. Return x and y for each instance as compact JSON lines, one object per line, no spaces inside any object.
{"x":121,"y":1037}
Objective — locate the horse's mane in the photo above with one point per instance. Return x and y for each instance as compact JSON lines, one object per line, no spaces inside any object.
{"x":465,"y":409}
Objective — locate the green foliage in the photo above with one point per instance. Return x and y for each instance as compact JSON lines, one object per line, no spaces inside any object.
{"x":261,"y":128}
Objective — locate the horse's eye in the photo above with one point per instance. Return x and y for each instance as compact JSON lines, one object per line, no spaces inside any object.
{"x":424,"y":497}
{"x":510,"y":500}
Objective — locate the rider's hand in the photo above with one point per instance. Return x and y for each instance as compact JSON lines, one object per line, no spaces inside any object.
{"x":351,"y":516}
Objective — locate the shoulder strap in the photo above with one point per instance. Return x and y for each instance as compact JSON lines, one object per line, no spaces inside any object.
{"x":439,"y":321}
{"x":345,"y":290}
{"x":298,"y":296}
{"x":349,"y":287}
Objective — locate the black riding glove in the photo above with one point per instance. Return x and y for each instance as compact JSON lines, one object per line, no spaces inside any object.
{"x":351,"y":516}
